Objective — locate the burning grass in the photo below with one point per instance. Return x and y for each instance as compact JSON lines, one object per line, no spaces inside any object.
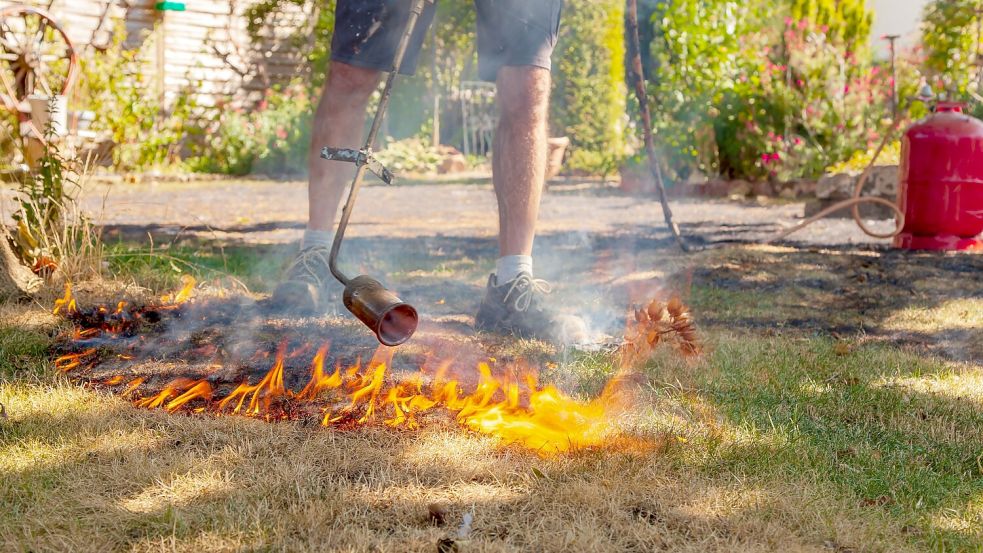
{"x":502,"y":400}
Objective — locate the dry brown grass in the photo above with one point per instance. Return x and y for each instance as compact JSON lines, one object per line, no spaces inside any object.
{"x":83,"y":471}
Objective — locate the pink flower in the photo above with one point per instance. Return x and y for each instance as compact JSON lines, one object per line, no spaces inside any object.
{"x":281,"y":133}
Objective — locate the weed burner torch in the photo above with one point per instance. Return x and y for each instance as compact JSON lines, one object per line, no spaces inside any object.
{"x":393,"y":320}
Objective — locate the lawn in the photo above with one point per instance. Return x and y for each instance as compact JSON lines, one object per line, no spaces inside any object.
{"x":838,"y":407}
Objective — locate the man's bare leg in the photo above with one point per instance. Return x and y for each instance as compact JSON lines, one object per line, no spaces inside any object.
{"x":519,"y":164}
{"x":339,"y":121}
{"x":513,"y":302}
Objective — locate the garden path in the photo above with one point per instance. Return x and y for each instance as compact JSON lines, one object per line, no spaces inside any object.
{"x":274,"y":212}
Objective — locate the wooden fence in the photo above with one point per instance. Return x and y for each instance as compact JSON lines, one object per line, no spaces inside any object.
{"x":204,"y":49}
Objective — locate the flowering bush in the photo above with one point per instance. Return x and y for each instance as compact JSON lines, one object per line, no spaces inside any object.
{"x":270,"y":139}
{"x":951,"y":35}
{"x":739,"y":97}
{"x":117,"y":89}
{"x":819,"y":104}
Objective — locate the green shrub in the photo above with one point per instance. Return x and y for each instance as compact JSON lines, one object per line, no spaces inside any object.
{"x":410,"y":155}
{"x":845,"y":22}
{"x":272,"y":138}
{"x":950,"y":36}
{"x":115,"y":86}
{"x":860,"y":160}
{"x":589,"y":92}
{"x":739,"y":94}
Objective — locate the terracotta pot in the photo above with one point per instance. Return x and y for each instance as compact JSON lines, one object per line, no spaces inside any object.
{"x":557,"y":149}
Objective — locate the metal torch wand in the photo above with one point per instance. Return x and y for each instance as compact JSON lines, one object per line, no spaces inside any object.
{"x":636,"y":76}
{"x":393,"y":320}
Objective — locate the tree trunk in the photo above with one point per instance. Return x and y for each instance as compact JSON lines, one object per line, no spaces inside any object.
{"x":16,"y":280}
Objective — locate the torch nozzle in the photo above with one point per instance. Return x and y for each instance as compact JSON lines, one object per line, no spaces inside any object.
{"x":393,"y":320}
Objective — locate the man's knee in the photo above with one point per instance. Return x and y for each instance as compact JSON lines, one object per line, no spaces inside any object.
{"x":523,"y":91}
{"x":351,"y":81}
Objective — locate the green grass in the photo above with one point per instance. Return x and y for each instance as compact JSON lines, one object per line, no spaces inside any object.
{"x":22,"y":352}
{"x":161,"y":267}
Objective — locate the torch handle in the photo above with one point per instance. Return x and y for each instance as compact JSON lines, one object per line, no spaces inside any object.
{"x":346,"y":213}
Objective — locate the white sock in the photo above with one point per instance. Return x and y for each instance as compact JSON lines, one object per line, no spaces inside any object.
{"x":509,"y":267}
{"x":321,"y":238}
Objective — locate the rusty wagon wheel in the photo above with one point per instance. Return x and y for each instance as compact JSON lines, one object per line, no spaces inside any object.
{"x":36,"y":57}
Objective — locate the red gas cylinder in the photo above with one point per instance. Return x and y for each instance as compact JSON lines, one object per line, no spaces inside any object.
{"x":941,"y":182}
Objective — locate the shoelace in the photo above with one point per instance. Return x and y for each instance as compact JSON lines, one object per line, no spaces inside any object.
{"x":528,"y":288}
{"x":311,"y":263}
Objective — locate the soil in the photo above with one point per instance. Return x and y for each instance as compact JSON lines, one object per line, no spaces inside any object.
{"x":276,"y":212}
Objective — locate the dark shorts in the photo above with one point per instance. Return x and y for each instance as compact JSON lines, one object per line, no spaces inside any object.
{"x":510,"y":33}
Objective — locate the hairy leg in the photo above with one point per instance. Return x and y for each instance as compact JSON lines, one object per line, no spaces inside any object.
{"x":339,"y":122}
{"x":519,"y":158}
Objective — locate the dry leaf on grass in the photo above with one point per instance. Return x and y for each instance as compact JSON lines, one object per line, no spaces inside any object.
{"x":656,"y":323}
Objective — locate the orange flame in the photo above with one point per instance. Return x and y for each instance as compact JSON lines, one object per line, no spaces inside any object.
{"x":66,"y":302}
{"x":132,"y":386}
{"x":320,"y":381}
{"x":70,"y":361}
{"x":515,"y":410}
{"x":84,"y":334}
{"x":182,"y":296}
{"x":201,"y":389}
{"x":263,"y":393}
{"x":171,"y":389}
{"x":543,"y":419}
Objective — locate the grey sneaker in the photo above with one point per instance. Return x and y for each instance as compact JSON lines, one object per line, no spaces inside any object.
{"x":307,"y":287}
{"x":517,"y":307}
